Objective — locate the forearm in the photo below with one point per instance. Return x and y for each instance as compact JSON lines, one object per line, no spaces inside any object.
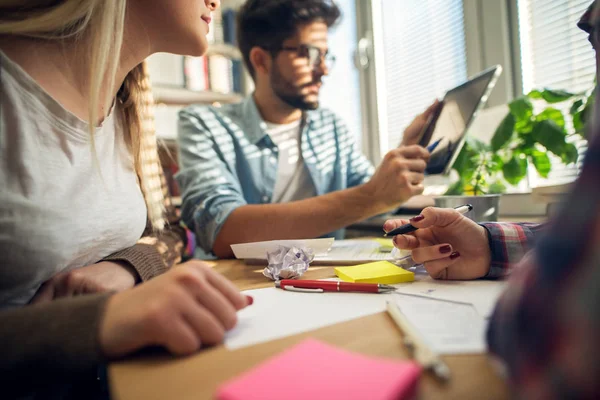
{"x":50,"y":343}
{"x":302,"y":219}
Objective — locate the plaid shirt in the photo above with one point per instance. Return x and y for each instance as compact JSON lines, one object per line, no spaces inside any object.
{"x":546,"y":326}
{"x":509,"y":242}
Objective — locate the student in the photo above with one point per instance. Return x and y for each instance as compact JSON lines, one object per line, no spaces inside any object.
{"x":546,"y":324}
{"x":80,"y":178}
{"x":277,"y":166}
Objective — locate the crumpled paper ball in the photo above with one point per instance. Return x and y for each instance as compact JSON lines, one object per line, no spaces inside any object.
{"x":403,"y":258}
{"x":288,"y":262}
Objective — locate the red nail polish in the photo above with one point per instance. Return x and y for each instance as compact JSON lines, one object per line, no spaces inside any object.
{"x":418,"y":218}
{"x":250,"y":300}
{"x":454,"y":255}
{"x":445,"y":249}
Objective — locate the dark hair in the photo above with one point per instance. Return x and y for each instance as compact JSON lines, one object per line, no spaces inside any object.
{"x":268,"y":23}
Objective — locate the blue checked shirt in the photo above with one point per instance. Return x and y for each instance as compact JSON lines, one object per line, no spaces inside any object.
{"x":227,"y":161}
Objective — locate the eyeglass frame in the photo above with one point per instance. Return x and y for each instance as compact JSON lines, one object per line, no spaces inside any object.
{"x":324,"y":56}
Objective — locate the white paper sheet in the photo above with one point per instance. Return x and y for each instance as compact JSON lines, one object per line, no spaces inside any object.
{"x":351,"y":252}
{"x":447,"y":327}
{"x":483,"y":294}
{"x":258,"y":250}
{"x":278,"y":313}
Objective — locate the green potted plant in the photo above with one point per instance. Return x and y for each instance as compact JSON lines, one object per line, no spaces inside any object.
{"x":523,"y":137}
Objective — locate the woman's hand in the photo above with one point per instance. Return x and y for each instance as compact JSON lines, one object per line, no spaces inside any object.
{"x":101,"y":277}
{"x":182,"y":310}
{"x":448,"y":244}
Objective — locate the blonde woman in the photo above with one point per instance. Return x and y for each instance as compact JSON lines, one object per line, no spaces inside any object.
{"x":81,"y":185}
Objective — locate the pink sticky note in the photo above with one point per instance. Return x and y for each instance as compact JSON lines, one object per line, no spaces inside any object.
{"x":315,"y":370}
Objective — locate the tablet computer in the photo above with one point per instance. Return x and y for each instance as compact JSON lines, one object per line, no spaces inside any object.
{"x":447,"y":128}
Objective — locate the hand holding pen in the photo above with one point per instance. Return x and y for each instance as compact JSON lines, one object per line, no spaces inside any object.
{"x":448,"y":244}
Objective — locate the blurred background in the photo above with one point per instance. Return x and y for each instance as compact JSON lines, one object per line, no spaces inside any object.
{"x":395,"y":56}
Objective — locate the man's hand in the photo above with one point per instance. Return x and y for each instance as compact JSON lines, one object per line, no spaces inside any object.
{"x":412,"y":133}
{"x":399,"y":177}
{"x":187,"y":307}
{"x":448,"y":244}
{"x":101,"y":277}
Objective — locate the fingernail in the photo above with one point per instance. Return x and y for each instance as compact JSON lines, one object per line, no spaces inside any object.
{"x":445,"y":249}
{"x":454,"y":255}
{"x":250,"y":300}
{"x":418,"y":218}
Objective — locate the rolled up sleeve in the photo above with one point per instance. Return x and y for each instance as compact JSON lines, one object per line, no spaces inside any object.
{"x":210,"y":191}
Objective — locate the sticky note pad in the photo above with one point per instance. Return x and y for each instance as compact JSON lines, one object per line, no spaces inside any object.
{"x":315,"y":370}
{"x":383,"y":272}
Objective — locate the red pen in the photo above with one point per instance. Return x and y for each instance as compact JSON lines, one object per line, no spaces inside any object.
{"x":331,"y":286}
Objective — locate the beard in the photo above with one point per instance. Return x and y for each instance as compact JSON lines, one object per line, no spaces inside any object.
{"x":290,"y":94}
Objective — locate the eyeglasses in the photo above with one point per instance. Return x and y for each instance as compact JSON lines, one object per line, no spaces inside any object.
{"x":313,"y":55}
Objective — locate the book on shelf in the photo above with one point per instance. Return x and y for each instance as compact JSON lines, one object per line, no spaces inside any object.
{"x":196,"y":73}
{"x":221,"y":73}
{"x":223,"y":27}
{"x":216,"y":73}
{"x":229,"y":26}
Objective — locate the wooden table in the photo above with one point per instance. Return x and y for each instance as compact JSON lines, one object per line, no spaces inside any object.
{"x":198,"y":376}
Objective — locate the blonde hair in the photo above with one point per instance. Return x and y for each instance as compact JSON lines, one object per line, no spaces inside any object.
{"x":103,"y":22}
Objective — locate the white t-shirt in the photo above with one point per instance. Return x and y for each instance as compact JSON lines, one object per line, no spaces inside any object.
{"x":59,"y":210}
{"x":293,"y":180}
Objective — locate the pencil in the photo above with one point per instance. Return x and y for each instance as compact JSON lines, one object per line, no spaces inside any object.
{"x":426,"y":357}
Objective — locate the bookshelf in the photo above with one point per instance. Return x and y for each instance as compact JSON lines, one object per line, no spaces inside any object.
{"x":179,"y":96}
{"x":217,"y":78}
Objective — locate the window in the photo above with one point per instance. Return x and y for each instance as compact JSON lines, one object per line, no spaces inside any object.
{"x":555,"y":54}
{"x":341,"y":89}
{"x":424,"y":56}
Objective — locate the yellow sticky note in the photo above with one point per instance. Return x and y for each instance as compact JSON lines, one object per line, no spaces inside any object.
{"x":385,"y":245}
{"x":383,"y":272}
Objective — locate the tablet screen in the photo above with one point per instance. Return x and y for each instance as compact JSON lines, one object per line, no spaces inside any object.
{"x":460,"y":106}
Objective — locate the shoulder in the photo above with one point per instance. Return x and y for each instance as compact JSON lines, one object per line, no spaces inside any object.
{"x":326,"y":117}
{"x":208,"y":112}
{"x":329,"y":124}
{"x":207,"y":117}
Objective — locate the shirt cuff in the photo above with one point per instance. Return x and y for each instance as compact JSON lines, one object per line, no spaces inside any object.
{"x":209,"y":221}
{"x":144,"y":258}
{"x":508,"y":243}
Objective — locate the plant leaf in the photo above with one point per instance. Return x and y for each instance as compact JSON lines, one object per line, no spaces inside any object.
{"x":515,"y":169}
{"x":497,"y":188}
{"x":478,"y":146}
{"x":504,"y":132}
{"x":456,"y":189}
{"x":550,"y":135}
{"x":552,"y":114}
{"x":551,"y":96}
{"x":570,"y":154}
{"x":578,"y":123}
{"x":521,"y":108}
{"x":576,"y":107}
{"x":541,"y":161}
